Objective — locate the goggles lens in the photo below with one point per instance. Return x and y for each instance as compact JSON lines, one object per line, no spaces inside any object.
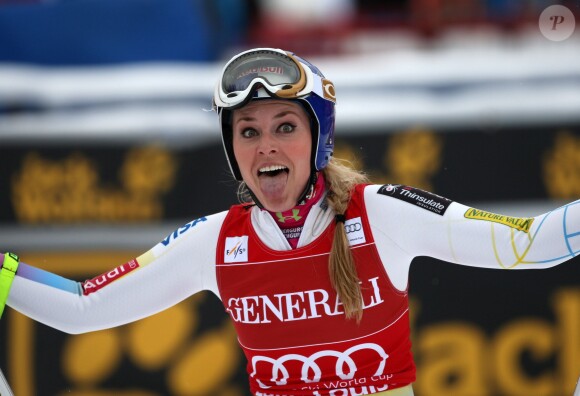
{"x":279,"y":73}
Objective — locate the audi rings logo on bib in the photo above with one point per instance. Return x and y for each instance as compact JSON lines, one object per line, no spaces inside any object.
{"x":346,"y":364}
{"x":354,"y":231}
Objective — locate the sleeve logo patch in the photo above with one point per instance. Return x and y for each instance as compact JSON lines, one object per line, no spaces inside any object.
{"x":97,"y":283}
{"x":519,"y":223}
{"x":423,"y":199}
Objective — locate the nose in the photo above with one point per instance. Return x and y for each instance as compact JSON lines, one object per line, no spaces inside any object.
{"x":268,"y":144}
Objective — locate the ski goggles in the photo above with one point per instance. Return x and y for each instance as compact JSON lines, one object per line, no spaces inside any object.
{"x":280,"y":73}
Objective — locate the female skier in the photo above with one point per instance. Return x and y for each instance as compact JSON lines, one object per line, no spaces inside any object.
{"x":313,"y":265}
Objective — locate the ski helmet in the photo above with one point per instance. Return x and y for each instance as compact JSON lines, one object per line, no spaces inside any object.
{"x":274,"y":73}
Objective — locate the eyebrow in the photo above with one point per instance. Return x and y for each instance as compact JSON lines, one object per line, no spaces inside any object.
{"x":279,"y":115}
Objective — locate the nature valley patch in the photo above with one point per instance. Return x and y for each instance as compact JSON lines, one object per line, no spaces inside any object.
{"x":519,"y":223}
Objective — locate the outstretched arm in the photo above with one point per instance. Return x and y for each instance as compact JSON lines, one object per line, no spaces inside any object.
{"x":179,"y":266}
{"x":416,"y":223}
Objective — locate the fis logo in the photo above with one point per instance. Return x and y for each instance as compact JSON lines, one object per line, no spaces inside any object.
{"x":236,"y":250}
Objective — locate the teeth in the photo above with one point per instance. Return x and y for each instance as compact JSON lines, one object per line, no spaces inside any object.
{"x":272,"y":168}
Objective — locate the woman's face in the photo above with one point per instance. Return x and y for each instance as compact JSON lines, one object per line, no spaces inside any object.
{"x":272,"y":145}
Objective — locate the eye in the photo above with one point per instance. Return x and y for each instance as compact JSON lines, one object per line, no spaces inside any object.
{"x":286,"y":128}
{"x":248,"y":133}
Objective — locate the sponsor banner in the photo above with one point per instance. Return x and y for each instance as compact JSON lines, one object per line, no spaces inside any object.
{"x":82,"y":183}
{"x":112,"y":184}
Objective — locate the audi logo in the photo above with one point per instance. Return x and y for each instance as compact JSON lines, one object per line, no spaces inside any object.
{"x":280,"y":372}
{"x":352,"y":227}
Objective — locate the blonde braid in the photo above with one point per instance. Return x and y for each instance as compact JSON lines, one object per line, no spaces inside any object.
{"x":341,"y":179}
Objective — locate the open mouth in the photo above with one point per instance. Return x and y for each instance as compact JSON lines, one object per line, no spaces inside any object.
{"x":273,"y":170}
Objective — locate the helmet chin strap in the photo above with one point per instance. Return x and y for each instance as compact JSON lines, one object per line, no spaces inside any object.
{"x":305,"y":194}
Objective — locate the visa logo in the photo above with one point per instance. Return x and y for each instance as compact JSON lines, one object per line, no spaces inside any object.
{"x":181,"y":230}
